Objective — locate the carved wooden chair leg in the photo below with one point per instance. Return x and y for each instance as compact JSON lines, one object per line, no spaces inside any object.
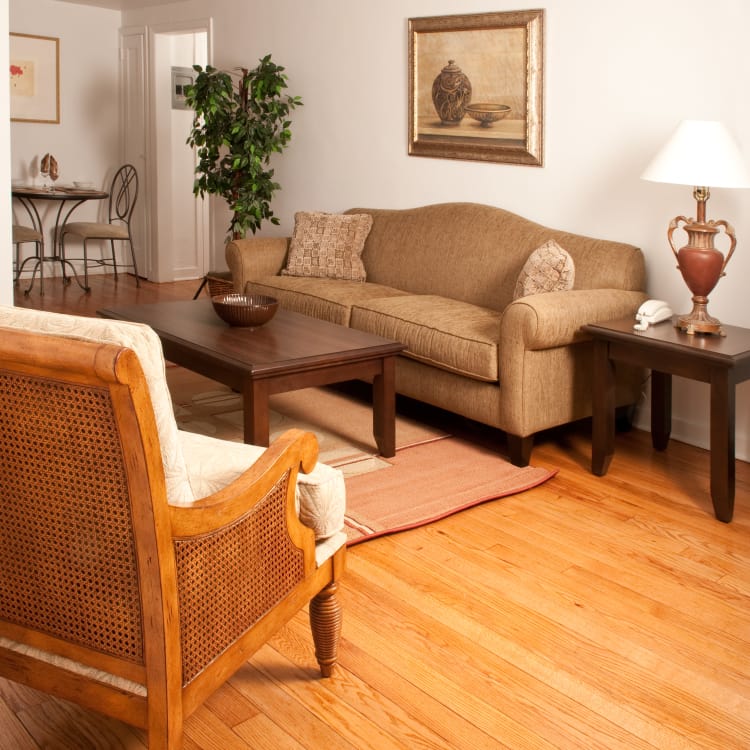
{"x":325,"y":622}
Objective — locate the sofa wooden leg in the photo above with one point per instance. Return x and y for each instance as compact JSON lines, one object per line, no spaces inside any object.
{"x":325,"y":622}
{"x":519,"y":449}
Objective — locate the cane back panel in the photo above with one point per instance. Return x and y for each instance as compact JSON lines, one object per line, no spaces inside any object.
{"x":67,"y":559}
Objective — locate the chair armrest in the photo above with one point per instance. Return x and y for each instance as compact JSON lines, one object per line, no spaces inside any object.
{"x":293,"y":451}
{"x":241,"y":558}
{"x":255,"y":258}
{"x":543,"y":321}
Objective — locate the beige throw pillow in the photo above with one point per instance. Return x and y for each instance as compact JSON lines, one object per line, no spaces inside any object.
{"x":548,"y":269}
{"x":328,"y":245}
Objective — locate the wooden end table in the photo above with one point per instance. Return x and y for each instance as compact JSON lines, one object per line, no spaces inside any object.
{"x":290,"y":352}
{"x":721,"y":361}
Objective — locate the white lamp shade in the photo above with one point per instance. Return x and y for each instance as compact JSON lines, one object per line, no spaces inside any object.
{"x":700,"y":153}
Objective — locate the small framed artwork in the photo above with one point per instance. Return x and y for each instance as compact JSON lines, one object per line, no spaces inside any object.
{"x":34,"y":78}
{"x":476,"y":87}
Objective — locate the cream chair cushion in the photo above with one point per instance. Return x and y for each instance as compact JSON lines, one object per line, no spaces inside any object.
{"x":213,"y":463}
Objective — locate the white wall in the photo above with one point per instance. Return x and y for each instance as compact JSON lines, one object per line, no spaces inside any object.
{"x":618,"y":76}
{"x":86,"y":141}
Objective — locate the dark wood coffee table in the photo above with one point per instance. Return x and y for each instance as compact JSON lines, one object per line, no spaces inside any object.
{"x":290,"y":352}
{"x":721,"y":361}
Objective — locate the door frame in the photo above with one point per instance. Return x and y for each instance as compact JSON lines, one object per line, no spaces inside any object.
{"x":158,"y":266}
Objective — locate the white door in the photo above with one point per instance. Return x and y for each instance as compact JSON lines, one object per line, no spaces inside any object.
{"x":133,"y":129}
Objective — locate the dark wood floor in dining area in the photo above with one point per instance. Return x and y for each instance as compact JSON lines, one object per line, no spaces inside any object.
{"x":589,"y":612}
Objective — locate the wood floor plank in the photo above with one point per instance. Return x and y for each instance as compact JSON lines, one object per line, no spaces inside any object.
{"x":398,"y":705}
{"x":13,"y":730}
{"x":530,"y":666}
{"x":315,"y":697}
{"x":579,"y":634}
{"x":470,"y":654}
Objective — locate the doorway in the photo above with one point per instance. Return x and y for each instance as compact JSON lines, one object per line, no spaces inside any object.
{"x":155,"y":127}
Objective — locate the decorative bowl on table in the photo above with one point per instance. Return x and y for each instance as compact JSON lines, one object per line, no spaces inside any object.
{"x":251,"y":310}
{"x":486,"y":113}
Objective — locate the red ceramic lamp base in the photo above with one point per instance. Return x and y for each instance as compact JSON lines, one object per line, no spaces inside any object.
{"x":700,"y":264}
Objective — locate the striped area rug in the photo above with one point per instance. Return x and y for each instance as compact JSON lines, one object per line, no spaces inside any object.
{"x":432,"y":475}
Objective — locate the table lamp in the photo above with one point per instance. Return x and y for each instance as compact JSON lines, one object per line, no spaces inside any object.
{"x":702,"y":154}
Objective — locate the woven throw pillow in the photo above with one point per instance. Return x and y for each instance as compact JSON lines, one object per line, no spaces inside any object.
{"x":328,"y":245}
{"x":548,"y":269}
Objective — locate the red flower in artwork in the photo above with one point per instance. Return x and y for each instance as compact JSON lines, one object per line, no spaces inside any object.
{"x":16,"y":70}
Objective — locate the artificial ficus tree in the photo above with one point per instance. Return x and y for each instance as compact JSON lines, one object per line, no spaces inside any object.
{"x":240,"y":120}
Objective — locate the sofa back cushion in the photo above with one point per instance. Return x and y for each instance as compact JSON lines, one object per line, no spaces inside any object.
{"x":475,"y":253}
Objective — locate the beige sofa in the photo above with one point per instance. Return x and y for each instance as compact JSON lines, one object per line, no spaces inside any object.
{"x":441,"y":279}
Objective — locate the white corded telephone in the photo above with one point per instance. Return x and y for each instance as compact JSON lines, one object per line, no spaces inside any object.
{"x":650,"y":312}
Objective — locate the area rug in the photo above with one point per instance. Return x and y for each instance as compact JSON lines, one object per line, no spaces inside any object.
{"x":433,"y":474}
{"x":431,"y":481}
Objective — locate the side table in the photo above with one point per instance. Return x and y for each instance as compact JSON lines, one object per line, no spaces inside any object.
{"x":721,"y":361}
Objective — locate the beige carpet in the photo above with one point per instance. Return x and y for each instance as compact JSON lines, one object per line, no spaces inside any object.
{"x":432,"y":475}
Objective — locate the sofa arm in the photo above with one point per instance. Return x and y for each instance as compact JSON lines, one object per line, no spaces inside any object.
{"x":255,"y":258}
{"x":543,"y":321}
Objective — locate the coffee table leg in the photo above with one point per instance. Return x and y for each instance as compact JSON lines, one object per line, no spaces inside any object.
{"x":384,"y":408}
{"x":722,"y":445}
{"x":603,"y":410}
{"x":255,"y":412}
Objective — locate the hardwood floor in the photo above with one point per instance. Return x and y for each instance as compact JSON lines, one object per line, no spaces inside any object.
{"x":589,"y":612}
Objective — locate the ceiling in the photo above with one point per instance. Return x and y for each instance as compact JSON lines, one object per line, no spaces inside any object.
{"x":120,"y":4}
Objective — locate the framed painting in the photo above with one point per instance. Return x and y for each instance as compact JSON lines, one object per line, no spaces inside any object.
{"x":476,"y":87}
{"x":34,"y":78}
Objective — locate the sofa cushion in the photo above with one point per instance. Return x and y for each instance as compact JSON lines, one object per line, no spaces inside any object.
{"x":214,"y":463}
{"x":328,"y":245}
{"x":327,"y":299}
{"x":548,"y":269}
{"x":145,"y":343}
{"x":452,"y":335}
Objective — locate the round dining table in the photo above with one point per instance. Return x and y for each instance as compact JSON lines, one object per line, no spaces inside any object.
{"x":68,"y":199}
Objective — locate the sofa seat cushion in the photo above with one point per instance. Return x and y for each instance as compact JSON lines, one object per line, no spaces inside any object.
{"x":327,"y":299}
{"x":213,"y":464}
{"x":445,"y":333}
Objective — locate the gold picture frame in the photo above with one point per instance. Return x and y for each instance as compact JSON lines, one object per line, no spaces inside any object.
{"x":487,"y":73}
{"x":34,"y":78}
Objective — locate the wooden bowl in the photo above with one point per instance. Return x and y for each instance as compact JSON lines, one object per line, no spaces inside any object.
{"x":250,"y":310}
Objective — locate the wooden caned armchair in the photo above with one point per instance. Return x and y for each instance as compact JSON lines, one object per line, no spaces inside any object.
{"x":111,"y":595}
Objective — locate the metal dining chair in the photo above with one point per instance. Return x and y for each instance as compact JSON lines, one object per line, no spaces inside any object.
{"x":21,"y":235}
{"x":122,"y":198}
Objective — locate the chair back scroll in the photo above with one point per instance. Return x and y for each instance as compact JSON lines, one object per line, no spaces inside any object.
{"x":123,"y":194}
